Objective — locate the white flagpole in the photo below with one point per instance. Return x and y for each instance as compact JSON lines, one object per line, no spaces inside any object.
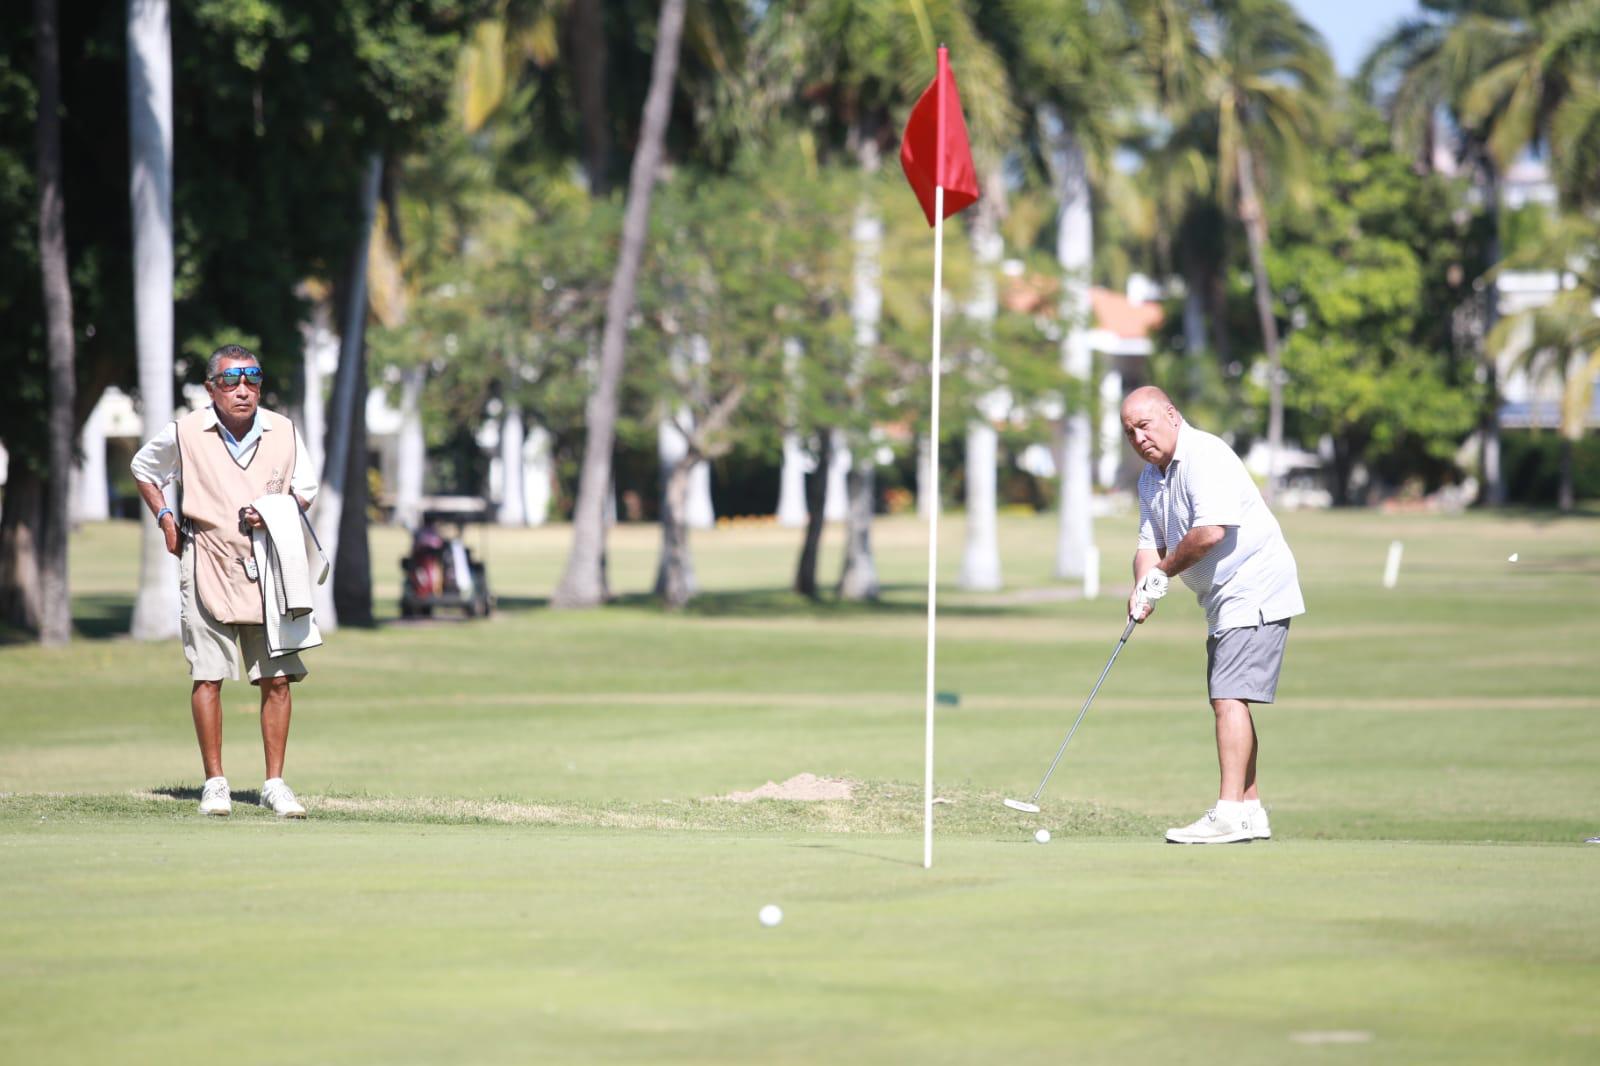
{"x":933,"y":521}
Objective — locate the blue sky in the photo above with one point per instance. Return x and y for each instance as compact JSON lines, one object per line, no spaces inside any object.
{"x":1352,"y":27}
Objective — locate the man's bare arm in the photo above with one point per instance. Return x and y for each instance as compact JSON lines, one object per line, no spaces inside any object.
{"x":1192,"y":548}
{"x":155,"y":500}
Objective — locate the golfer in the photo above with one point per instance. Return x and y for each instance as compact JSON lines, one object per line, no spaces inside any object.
{"x":1202,"y":518}
{"x":224,"y":456}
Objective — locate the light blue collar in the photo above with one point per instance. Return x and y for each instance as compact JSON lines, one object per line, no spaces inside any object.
{"x":239,"y":447}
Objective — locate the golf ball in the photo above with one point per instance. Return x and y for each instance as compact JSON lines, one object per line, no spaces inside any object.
{"x":771,"y":915}
{"x":1512,"y":558}
{"x":1042,"y":836}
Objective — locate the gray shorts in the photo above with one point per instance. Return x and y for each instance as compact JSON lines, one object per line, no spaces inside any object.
{"x":1243,"y":664}
{"x":213,"y":647}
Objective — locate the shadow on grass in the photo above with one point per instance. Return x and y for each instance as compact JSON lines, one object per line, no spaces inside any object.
{"x":98,"y":617}
{"x":895,"y":601}
{"x":106,"y":617}
{"x":183,"y":792}
{"x":837,"y":850}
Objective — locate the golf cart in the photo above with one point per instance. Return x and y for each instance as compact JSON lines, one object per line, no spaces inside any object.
{"x":441,"y":571}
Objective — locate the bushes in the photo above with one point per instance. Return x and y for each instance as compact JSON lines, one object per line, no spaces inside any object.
{"x":1532,"y":466}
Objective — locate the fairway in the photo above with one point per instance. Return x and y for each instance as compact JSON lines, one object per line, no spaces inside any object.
{"x":515,"y":851}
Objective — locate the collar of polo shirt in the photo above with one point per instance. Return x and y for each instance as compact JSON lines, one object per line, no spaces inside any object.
{"x":1180,"y":449}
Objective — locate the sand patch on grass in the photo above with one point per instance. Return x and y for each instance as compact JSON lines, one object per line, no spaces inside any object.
{"x":805,"y":787}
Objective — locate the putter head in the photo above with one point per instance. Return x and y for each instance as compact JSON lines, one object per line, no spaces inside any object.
{"x":1025,"y":808}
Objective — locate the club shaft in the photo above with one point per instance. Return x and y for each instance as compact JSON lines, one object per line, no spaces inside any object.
{"x":1126,"y":632}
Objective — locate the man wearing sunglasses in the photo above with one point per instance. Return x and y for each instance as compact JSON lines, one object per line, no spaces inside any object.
{"x":223,"y":457}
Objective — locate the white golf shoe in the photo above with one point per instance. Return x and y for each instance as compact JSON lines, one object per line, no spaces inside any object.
{"x":1213,"y":828}
{"x":279,"y":798}
{"x":1260,"y":826}
{"x":214,"y":798}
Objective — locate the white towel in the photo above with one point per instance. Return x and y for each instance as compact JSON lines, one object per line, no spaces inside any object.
{"x":282,"y":554}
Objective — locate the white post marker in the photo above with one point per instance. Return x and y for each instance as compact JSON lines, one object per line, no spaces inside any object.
{"x":933,"y":523}
{"x":1091,"y":571}
{"x":1391,"y":568}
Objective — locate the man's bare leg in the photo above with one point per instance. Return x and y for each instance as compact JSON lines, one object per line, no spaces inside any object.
{"x":1250,"y":792}
{"x":1236,"y":743}
{"x":275,"y":709}
{"x":205,"y":702}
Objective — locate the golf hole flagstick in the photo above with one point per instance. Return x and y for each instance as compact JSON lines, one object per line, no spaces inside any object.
{"x":937,"y":160}
{"x":1031,"y":804}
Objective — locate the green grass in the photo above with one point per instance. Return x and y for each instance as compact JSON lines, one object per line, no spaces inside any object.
{"x":515,"y":854}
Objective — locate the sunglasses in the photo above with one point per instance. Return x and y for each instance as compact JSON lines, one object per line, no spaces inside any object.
{"x":230,"y":378}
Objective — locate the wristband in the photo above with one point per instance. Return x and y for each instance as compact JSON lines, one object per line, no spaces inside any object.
{"x":163,"y":513}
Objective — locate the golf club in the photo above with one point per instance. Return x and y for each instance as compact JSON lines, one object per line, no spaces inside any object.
{"x":1031,"y":804}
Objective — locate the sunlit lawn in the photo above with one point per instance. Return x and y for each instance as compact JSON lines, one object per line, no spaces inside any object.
{"x":512,"y":857}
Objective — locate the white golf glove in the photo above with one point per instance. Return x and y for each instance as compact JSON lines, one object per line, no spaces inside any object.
{"x":1153,"y":586}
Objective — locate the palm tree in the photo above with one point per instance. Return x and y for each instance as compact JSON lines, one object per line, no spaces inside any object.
{"x":849,"y":69}
{"x":1427,"y":66}
{"x":980,"y":558}
{"x":1264,"y":77}
{"x":1073,"y":65}
{"x":1545,"y":88}
{"x":584,"y":582}
{"x":155,"y":612}
{"x":1560,"y":341}
{"x":56,"y":617}
{"x":349,"y":395}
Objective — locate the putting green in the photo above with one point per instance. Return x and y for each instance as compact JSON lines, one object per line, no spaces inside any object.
{"x":512,"y":855}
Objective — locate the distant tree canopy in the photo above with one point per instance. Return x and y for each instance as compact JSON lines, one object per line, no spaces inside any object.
{"x":275,"y":102}
{"x":508,"y":127}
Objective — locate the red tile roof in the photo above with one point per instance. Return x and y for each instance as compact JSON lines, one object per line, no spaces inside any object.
{"x":1116,"y":314}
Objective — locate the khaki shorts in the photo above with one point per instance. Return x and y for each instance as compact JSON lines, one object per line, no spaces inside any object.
{"x":213,"y":647}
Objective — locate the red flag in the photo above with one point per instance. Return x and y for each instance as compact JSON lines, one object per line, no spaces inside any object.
{"x":934,"y":150}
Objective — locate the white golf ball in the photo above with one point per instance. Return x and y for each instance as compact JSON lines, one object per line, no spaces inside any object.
{"x":1042,"y":836}
{"x":771,"y":915}
{"x":1513,"y":558}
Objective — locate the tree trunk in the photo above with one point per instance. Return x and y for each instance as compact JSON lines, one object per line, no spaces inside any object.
{"x":805,"y":575}
{"x":21,"y":604}
{"x":513,"y":498}
{"x":56,"y":619}
{"x":349,"y":401}
{"x":980,"y":561}
{"x":792,"y":484}
{"x":1494,"y":486}
{"x":836,"y":496}
{"x":589,"y":83}
{"x":91,"y":495}
{"x":411,"y":457}
{"x":675,"y":582}
{"x":859,"y":580}
{"x":1075,"y":253}
{"x":352,"y":575}
{"x":980,"y":557}
{"x":1566,"y":497}
{"x":926,"y":504}
{"x":584,"y":584}
{"x":536,"y":474}
{"x":317,"y":337}
{"x":155,"y":612}
{"x":1253,"y":214}
{"x":792,"y":476}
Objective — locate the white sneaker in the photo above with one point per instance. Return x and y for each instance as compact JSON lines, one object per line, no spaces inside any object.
{"x":1212,"y":828}
{"x":280,"y":798}
{"x":214,"y":797}
{"x":1260,"y":826}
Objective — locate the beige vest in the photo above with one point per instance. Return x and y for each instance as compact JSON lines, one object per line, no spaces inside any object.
{"x":215,"y":487}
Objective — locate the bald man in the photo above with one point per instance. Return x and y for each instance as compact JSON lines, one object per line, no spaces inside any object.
{"x":1202,"y":518}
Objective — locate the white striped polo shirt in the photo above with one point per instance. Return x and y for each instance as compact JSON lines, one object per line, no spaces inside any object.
{"x":1248,"y":577}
